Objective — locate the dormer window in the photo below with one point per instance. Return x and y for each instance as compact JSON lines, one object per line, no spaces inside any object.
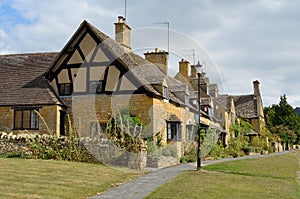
{"x":65,"y":89}
{"x":187,"y":100}
{"x":165,"y":92}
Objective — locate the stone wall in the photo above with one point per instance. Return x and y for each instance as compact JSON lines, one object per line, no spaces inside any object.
{"x":10,"y":143}
{"x":161,"y":162}
{"x":154,"y":112}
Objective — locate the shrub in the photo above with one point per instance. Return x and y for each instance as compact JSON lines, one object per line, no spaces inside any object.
{"x":252,"y":149}
{"x":190,"y":155}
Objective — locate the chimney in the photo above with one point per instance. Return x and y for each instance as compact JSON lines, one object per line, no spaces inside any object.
{"x":213,"y":90}
{"x":193,"y":71}
{"x":122,"y":33}
{"x":256,"y":88}
{"x":159,"y":58}
{"x":184,"y":66}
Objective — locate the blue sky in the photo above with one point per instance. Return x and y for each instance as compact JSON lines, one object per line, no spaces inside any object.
{"x":244,"y":40}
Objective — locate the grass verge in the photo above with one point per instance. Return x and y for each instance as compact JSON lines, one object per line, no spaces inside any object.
{"x":271,"y":177}
{"x":28,"y":178}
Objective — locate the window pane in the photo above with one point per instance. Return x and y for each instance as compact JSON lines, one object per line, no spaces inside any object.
{"x":34,"y":120}
{"x":26,"y":119}
{"x":174,"y":130}
{"x":178,"y":131}
{"x":165,"y":92}
{"x":65,"y":89}
{"x":169,"y":131}
{"x":18,"y":119}
{"x":96,"y":87}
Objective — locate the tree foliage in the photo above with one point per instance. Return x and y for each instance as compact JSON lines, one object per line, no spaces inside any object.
{"x":283,"y":121}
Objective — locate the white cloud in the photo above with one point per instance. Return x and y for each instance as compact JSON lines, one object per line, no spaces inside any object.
{"x":245,"y":40}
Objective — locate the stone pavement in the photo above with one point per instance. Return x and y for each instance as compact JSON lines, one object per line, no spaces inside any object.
{"x":144,"y":185}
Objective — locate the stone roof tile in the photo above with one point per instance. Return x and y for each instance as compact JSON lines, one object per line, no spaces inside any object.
{"x":22,"y":80}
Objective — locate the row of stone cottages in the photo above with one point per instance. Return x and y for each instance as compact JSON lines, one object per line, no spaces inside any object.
{"x":95,"y":76}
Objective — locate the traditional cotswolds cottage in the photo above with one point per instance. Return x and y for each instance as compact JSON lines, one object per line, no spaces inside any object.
{"x":95,"y":77}
{"x":92,"y":79}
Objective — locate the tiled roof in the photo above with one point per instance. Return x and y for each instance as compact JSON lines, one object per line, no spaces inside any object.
{"x":146,"y":72}
{"x":22,"y":79}
{"x":246,"y":105}
{"x":224,"y":101}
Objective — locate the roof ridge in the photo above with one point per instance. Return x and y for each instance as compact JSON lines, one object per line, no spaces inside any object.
{"x":30,"y":53}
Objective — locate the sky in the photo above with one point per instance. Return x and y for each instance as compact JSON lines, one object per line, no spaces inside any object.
{"x":236,"y":41}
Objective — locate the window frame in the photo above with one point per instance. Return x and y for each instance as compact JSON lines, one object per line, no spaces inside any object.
{"x":186,"y":99}
{"x":27,"y":116}
{"x":191,"y":131}
{"x":96,"y":90}
{"x":165,"y":92}
{"x":174,"y":131}
{"x":62,"y":89}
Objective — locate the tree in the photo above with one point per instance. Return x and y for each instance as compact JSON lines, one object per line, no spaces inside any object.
{"x":283,"y":121}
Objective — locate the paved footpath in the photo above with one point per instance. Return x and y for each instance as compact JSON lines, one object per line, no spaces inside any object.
{"x":144,"y":185}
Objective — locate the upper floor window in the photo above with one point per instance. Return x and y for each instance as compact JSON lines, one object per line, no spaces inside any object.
{"x":165,"y":92}
{"x":96,"y":87}
{"x":187,"y":100}
{"x":65,"y":89}
{"x":26,"y":118}
{"x":174,"y":130}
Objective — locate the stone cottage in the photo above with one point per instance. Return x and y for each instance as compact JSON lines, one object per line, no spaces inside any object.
{"x":92,"y":79}
{"x":95,"y":77}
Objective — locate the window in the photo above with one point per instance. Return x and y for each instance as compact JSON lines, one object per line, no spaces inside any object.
{"x":191,"y":132}
{"x":96,"y":87}
{"x":65,"y":89}
{"x":166,"y":92}
{"x":26,"y":119}
{"x":187,"y":100}
{"x":174,"y":130}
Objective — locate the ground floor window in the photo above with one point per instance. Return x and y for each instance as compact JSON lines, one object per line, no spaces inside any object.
{"x":191,"y":131}
{"x":174,"y":130}
{"x":26,"y":118}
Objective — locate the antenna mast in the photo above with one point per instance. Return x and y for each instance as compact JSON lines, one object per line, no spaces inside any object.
{"x":168,"y":25}
{"x":193,"y":50}
{"x":125,"y":9}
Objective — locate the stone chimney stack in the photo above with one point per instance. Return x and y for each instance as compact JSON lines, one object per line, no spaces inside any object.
{"x":184,"y":67}
{"x":159,"y":58}
{"x":193,"y":71}
{"x":256,"y":88}
{"x":213,"y":90}
{"x":122,"y":33}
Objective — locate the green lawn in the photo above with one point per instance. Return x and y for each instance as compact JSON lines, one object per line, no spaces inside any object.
{"x":27,"y":178}
{"x":271,"y":177}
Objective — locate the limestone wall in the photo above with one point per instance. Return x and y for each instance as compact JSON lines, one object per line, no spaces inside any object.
{"x":49,"y":120}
